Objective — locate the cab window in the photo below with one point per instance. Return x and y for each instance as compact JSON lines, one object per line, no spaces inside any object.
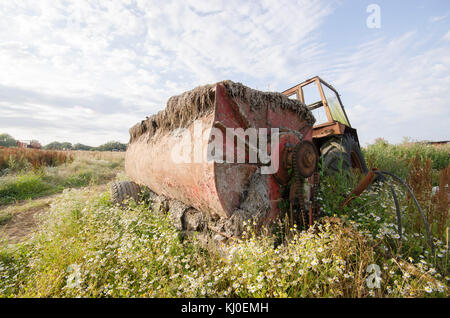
{"x":334,"y":105}
{"x":311,"y":95}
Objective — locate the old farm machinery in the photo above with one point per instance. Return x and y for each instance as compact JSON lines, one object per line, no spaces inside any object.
{"x":222,"y":154}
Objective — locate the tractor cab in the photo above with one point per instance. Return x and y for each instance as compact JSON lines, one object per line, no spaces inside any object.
{"x":332,"y":124}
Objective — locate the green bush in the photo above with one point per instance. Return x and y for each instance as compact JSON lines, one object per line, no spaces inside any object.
{"x":395,"y":158}
{"x":49,"y":180}
{"x":24,"y":186}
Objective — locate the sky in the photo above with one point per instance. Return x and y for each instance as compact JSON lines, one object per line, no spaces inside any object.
{"x":86,"y":71}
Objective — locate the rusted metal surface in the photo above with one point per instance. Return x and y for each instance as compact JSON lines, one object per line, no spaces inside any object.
{"x":328,"y":129}
{"x":333,"y":126}
{"x":362,"y":185}
{"x":315,"y":180}
{"x":213,"y":187}
{"x":303,"y":207}
{"x":306,"y":158}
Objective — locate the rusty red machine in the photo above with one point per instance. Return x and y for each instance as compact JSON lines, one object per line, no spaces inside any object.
{"x":200,"y":157}
{"x":228,"y":191}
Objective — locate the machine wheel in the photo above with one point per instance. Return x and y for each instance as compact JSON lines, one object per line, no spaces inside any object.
{"x":122,"y":190}
{"x":342,"y":152}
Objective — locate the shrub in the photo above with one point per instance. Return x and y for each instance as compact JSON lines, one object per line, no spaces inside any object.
{"x":17,"y":159}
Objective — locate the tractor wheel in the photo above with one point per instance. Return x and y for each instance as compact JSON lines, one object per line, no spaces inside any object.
{"x":120,"y":191}
{"x":342,"y":152}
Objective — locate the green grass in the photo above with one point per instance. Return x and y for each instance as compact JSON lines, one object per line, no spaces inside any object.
{"x":374,"y":213}
{"x":396,"y":158}
{"x":30,"y":184}
{"x":88,"y":247}
{"x":4,"y":217}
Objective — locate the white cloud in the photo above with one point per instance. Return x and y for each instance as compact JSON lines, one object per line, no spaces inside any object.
{"x":89,"y":70}
{"x":142,"y":52}
{"x":404,"y":92}
{"x":438,"y":18}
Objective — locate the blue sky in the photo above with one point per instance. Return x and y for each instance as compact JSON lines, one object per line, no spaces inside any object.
{"x":86,"y":71}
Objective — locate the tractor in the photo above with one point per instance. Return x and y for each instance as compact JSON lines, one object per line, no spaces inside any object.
{"x":221,"y":195}
{"x":333,"y":135}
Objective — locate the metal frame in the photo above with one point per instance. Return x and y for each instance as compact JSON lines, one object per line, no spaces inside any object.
{"x":298,"y":90}
{"x":332,"y":127}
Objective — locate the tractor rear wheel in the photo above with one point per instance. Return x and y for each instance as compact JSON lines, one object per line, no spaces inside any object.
{"x":123,"y":190}
{"x":342,"y":152}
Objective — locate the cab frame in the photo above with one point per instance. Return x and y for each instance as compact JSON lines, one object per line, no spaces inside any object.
{"x":336,"y":125}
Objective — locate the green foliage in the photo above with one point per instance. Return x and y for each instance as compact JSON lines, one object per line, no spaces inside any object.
{"x":7,"y":141}
{"x":89,"y":248}
{"x":4,"y":217}
{"x":79,"y":146}
{"x":24,"y":186}
{"x":109,"y":146}
{"x":394,"y":158}
{"x":48,"y":180}
{"x":373,"y":213}
{"x":55,"y":145}
{"x":112,"y":146}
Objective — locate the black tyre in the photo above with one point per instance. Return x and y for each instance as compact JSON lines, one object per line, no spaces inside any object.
{"x":123,"y":190}
{"x":342,"y":152}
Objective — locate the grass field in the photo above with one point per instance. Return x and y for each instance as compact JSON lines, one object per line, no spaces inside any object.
{"x":83,"y":245}
{"x":29,"y":173}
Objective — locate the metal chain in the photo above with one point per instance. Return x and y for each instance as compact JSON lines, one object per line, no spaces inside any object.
{"x":298,"y":199}
{"x":314,"y":195}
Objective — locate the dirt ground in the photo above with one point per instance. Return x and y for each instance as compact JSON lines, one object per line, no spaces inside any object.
{"x":24,"y":221}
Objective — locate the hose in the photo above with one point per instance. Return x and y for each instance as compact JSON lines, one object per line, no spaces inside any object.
{"x":425,"y":222}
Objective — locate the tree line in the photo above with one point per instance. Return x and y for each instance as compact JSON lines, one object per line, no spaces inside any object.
{"x":7,"y":140}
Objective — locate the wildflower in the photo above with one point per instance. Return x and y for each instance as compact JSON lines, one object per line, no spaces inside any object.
{"x":428,"y":289}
